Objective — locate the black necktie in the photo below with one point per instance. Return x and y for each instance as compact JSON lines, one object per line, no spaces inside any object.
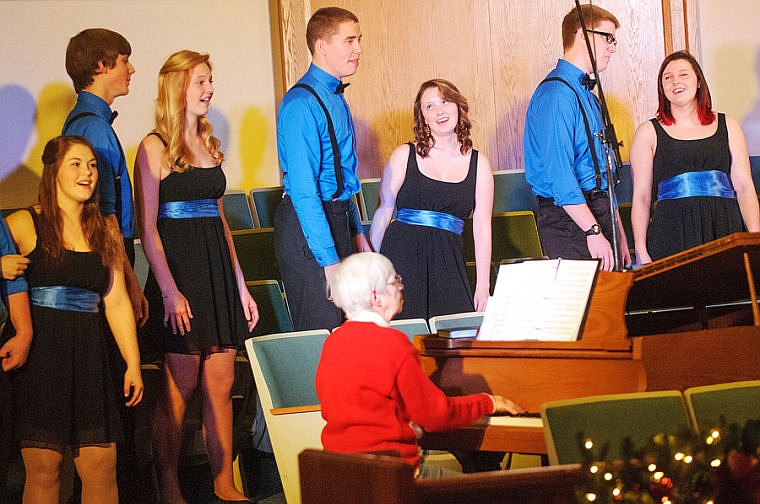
{"x":588,"y":82}
{"x":113,"y":116}
{"x":341,"y":86}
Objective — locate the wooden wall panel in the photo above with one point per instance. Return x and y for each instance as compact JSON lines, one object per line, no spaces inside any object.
{"x":405,"y":44}
{"x":495,"y":51}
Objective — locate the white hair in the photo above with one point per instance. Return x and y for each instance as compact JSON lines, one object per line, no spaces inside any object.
{"x":356,"y":278}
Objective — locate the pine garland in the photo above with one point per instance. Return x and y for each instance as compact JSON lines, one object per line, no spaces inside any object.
{"x":676,"y":468}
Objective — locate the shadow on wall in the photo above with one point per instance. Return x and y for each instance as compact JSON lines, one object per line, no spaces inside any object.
{"x":375,"y":142}
{"x":511,"y":155}
{"x":19,"y":116}
{"x":254,"y":135}
{"x":18,"y":184}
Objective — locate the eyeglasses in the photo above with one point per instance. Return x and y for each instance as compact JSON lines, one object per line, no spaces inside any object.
{"x":609,"y":37}
{"x":398,"y":281}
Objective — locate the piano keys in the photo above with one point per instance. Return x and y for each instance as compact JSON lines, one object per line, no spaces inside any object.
{"x":687,"y":320}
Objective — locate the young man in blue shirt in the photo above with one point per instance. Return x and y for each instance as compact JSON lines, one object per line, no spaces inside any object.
{"x":564,"y":159}
{"x":97,"y":60}
{"x":317,"y":222}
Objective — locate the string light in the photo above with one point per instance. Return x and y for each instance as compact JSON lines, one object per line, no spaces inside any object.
{"x":671,"y":468}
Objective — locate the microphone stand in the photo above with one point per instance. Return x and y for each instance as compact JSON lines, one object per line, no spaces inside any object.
{"x":609,"y":140}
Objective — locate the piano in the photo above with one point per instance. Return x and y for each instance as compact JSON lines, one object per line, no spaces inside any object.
{"x":686,"y":320}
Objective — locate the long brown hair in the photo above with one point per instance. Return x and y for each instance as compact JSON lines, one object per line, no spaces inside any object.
{"x":704,"y":101}
{"x":173,"y":80}
{"x":423,"y":140}
{"x":101,"y":237}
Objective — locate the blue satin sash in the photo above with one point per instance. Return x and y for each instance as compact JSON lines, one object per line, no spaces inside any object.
{"x":188,"y":209}
{"x":63,"y":297}
{"x":701,"y":183}
{"x":430,"y":218}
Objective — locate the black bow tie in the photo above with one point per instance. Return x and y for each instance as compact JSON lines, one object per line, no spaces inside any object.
{"x":588,"y":82}
{"x":341,"y":86}
{"x":113,"y":116}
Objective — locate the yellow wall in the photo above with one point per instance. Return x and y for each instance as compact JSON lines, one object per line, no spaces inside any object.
{"x":36,"y":93}
{"x":730,"y":50}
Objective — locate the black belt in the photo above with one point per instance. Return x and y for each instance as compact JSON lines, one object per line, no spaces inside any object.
{"x":589,"y":195}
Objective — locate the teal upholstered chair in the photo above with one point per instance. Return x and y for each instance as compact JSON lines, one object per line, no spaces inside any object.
{"x":411,"y":327}
{"x":610,"y":419}
{"x":5,"y":212}
{"x":141,"y":263}
{"x":237,"y":211}
{"x":511,"y":192}
{"x":369,"y":198}
{"x":264,"y":201}
{"x":455,"y":320}
{"x":737,"y":402}
{"x":284,"y":367}
{"x":514,"y":235}
{"x":255,"y":251}
{"x":274,"y":314}
{"x":624,"y":209}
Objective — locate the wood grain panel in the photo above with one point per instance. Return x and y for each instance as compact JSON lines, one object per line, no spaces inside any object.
{"x":692,"y":29}
{"x":495,"y":51}
{"x":399,"y":53}
{"x":293,"y":16}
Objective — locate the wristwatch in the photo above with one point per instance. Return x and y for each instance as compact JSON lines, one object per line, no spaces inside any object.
{"x":594,"y":230}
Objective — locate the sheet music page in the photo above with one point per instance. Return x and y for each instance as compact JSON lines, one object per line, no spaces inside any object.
{"x":542,"y":300}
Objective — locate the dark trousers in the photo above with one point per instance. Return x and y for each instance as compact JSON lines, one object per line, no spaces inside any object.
{"x":561,"y":236}
{"x":304,"y":278}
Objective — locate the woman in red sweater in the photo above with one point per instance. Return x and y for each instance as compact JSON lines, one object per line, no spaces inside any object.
{"x":373,"y":392}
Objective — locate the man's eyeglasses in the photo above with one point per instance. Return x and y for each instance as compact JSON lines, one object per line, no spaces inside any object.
{"x":609,"y":37}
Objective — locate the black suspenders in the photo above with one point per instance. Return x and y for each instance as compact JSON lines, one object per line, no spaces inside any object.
{"x":117,"y":176}
{"x":590,"y":137}
{"x":333,"y":141}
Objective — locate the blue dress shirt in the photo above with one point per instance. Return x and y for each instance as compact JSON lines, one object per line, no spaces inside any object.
{"x":306,"y":159}
{"x":111,"y":161}
{"x":7,"y":246}
{"x":558,"y":162}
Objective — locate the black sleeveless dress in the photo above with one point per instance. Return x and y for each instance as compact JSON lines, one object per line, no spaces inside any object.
{"x":65,"y":394}
{"x":682,"y":223}
{"x":199,"y":259}
{"x":431,"y":260}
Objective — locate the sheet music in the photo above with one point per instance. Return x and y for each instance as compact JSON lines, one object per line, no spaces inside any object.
{"x":542,"y":300}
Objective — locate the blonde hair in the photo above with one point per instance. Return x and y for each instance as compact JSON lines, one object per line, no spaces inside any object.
{"x":356,"y":278}
{"x":173,"y":80}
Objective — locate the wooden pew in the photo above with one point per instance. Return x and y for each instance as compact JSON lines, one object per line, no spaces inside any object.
{"x":379,"y":479}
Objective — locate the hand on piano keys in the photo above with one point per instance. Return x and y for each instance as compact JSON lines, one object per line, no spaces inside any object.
{"x":502,"y":405}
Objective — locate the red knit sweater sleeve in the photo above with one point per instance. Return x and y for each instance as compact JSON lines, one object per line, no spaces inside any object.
{"x":429,"y":407}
